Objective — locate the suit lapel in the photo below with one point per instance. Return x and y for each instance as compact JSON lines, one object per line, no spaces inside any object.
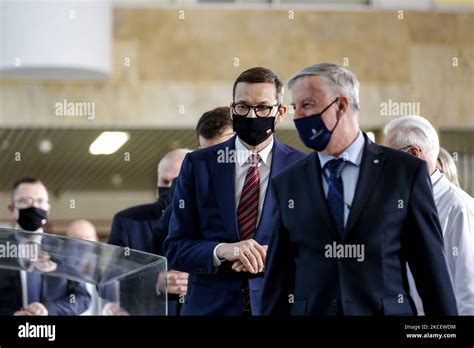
{"x":370,"y":168}
{"x":280,"y":159}
{"x":316,"y":194}
{"x":223,"y":178}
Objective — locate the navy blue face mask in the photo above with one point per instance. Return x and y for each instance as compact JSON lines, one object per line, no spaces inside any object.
{"x":313,"y":132}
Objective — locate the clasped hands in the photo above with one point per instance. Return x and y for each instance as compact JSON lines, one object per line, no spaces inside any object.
{"x":247,"y":255}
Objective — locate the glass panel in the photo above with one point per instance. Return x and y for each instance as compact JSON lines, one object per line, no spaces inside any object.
{"x":72,"y":276}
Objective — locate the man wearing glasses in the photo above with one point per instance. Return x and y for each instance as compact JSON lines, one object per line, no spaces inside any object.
{"x":220,"y":226}
{"x":45,"y":295}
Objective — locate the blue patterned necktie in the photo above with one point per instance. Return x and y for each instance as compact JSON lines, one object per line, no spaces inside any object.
{"x":336,"y":192}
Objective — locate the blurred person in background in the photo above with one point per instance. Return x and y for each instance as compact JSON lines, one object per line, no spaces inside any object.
{"x":83,"y":229}
{"x":214,"y":127}
{"x":45,"y":295}
{"x":416,"y":135}
{"x":135,"y":227}
{"x":446,"y":165}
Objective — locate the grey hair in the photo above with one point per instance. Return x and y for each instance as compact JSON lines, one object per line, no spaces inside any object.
{"x":340,"y":80}
{"x":447,"y":166}
{"x":414,"y":130}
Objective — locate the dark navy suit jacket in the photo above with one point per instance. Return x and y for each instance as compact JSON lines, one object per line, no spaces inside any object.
{"x":134,"y":227}
{"x":59,"y":295}
{"x":53,"y":292}
{"x":204,"y":215}
{"x":393,"y":216}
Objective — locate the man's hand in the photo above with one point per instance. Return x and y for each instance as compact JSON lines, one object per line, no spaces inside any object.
{"x":176,"y":282}
{"x":251,"y":254}
{"x":34,"y":308}
{"x":44,"y":264}
{"x":112,"y":308}
{"x":238,"y":266}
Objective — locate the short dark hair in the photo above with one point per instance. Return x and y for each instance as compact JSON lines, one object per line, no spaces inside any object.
{"x":260,"y":75}
{"x":24,"y":180}
{"x":212,"y":123}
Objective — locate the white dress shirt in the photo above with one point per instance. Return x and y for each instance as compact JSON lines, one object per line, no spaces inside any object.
{"x":94,"y":305}
{"x":456,"y":215}
{"x":350,"y":173}
{"x":241,"y":167}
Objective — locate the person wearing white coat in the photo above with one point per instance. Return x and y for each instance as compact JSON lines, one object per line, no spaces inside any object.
{"x":414,"y":134}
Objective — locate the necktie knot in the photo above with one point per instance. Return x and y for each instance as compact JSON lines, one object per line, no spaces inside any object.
{"x":335,"y":166}
{"x":254,"y":159}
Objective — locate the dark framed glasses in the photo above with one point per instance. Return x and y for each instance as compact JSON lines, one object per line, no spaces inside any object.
{"x":243,"y":109}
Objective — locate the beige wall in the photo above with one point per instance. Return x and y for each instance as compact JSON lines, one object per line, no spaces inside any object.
{"x":181,"y":67}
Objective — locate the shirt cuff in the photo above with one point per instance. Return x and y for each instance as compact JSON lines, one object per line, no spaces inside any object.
{"x":215,"y":260}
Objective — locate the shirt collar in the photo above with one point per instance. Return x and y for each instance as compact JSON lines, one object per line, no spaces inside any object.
{"x":352,"y":154}
{"x":243,"y":153}
{"x":436,"y":176}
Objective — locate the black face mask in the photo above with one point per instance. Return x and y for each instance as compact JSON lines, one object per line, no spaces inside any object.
{"x":163,"y":193}
{"x":30,"y":219}
{"x":253,"y":130}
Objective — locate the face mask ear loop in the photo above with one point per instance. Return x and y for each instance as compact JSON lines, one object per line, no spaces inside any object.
{"x":327,"y":107}
{"x":337,"y":122}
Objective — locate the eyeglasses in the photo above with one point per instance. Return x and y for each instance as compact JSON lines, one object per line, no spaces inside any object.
{"x":409,"y":146}
{"x":404,"y":148}
{"x":243,"y":109}
{"x":25,"y":202}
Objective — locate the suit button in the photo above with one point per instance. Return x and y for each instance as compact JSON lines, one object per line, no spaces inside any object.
{"x":334,"y":302}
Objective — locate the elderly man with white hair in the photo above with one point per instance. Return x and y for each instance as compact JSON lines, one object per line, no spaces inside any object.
{"x":416,"y":135}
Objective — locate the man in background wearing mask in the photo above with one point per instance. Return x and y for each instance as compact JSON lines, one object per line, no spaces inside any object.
{"x":220,"y":225}
{"x":47,"y":295}
{"x":133,"y":227}
{"x":214,"y":127}
{"x":361,"y":212}
{"x":415,"y":135}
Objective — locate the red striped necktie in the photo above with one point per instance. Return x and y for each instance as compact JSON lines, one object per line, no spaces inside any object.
{"x":248,"y":206}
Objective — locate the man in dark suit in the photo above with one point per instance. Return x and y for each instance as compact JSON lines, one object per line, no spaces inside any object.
{"x":221,"y":207}
{"x":51,"y":295}
{"x":44,"y":294}
{"x":350,"y":216}
{"x":214,"y":127}
{"x":134,"y":227}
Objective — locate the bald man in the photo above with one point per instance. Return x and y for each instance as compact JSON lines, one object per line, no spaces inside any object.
{"x":133,"y":227}
{"x":82,"y":229}
{"x":167,"y":170}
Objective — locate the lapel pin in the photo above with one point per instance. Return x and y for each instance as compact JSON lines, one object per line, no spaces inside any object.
{"x":376,"y":161}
